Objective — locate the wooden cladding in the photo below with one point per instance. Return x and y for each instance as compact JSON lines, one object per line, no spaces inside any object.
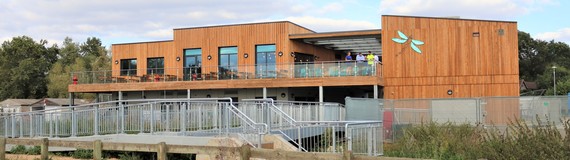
{"x":452,"y":58}
{"x":141,"y":52}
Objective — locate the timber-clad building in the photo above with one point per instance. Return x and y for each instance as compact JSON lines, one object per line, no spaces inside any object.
{"x":419,"y":57}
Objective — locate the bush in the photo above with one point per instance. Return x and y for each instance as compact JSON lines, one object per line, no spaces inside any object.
{"x":130,"y":156}
{"x":82,"y":154}
{"x":517,"y":141}
{"x":19,"y":149}
{"x":35,"y":150}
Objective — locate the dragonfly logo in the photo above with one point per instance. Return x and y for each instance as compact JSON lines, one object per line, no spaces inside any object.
{"x":414,"y":43}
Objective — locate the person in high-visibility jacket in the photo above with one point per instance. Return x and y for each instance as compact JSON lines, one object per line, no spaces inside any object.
{"x":370,"y":59}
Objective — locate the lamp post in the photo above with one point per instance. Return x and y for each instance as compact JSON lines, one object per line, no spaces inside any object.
{"x":554,"y":78}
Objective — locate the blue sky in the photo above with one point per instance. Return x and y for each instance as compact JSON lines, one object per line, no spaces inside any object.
{"x":149,"y":20}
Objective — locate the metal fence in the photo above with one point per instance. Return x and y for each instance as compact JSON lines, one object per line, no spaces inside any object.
{"x":316,"y":127}
{"x":309,"y":126}
{"x":197,"y":117}
{"x":488,"y":111}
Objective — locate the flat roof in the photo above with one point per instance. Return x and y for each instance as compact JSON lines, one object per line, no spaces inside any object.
{"x":449,"y":18}
{"x":238,"y":24}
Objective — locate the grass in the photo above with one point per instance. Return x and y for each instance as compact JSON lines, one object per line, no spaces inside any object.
{"x":450,"y":141}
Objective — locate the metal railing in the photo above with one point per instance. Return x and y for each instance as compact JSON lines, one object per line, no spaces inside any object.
{"x":238,"y":72}
{"x":314,"y":127}
{"x":197,"y":117}
{"x":321,"y":133}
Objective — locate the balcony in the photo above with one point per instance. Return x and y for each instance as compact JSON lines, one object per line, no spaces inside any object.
{"x":333,"y":73}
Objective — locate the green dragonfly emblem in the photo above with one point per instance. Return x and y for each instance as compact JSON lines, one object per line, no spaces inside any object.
{"x":414,"y":43}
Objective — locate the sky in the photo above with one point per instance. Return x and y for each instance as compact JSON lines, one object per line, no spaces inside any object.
{"x":125,"y":21}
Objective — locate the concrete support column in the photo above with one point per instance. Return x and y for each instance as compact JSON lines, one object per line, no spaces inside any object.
{"x":71,"y":99}
{"x":188,"y":94}
{"x":375,"y":91}
{"x":321,"y":97}
{"x":264,"y":92}
{"x":321,"y":104}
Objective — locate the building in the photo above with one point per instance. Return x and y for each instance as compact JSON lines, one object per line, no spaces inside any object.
{"x":26,"y":105}
{"x":421,"y":57}
{"x":17,"y":105}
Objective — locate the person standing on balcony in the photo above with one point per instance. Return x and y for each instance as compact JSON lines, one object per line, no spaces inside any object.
{"x":360,"y":58}
{"x":370,"y":58}
{"x":348,"y":57}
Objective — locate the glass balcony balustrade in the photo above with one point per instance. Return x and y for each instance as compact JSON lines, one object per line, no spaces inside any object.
{"x":323,"y":69}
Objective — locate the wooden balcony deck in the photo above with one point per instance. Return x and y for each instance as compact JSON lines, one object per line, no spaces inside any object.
{"x":228,"y":84}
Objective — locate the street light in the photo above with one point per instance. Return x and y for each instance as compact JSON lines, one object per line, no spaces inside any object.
{"x":554,"y":78}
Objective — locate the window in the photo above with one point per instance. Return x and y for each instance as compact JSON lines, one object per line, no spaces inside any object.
{"x":228,"y":62}
{"x":128,"y":67}
{"x":155,"y":66}
{"x":192,"y":64}
{"x":265,"y":60}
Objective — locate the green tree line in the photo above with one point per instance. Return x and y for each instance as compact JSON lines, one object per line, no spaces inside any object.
{"x":33,"y":69}
{"x":536,"y":59}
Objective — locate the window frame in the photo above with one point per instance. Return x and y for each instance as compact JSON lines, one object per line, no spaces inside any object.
{"x":129,"y":70}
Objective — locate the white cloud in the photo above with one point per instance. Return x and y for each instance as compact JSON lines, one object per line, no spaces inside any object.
{"x":328,"y":24}
{"x":161,"y":33}
{"x":486,"y":9}
{"x":562,"y":35}
{"x":128,"y":19}
{"x":332,"y":7}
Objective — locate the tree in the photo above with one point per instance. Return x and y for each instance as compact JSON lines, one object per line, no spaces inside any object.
{"x":24,"y":65}
{"x":69,"y":52}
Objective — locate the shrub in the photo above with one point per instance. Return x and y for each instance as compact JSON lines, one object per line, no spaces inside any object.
{"x":19,"y":149}
{"x":35,"y":150}
{"x":130,"y":156}
{"x":82,"y":154}
{"x":517,"y":141}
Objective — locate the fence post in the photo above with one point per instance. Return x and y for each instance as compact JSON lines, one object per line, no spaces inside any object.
{"x":346,"y":154}
{"x":2,"y":148}
{"x":97,"y":150}
{"x":73,"y":123}
{"x":44,"y":149}
{"x":96,"y":121}
{"x":245,"y":152}
{"x":161,"y":154}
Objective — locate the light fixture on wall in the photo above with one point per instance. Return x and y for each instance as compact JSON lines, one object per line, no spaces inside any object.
{"x":292,"y":54}
{"x":316,"y":57}
{"x":283,"y":95}
{"x":177,"y":58}
{"x":208,"y":96}
{"x":449,"y":92}
{"x":475,"y":34}
{"x":116,"y":61}
{"x":280,"y":53}
{"x":209,"y":57}
{"x":245,"y":55}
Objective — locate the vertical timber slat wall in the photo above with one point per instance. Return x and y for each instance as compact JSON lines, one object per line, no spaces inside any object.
{"x":452,"y":58}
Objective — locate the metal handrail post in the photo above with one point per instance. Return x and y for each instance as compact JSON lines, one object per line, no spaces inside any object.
{"x":152,"y":121}
{"x":96,"y":120}
{"x":183,"y":117}
{"x":31,"y":125}
{"x":73,"y":123}
{"x":122,"y":115}
{"x":168,"y":117}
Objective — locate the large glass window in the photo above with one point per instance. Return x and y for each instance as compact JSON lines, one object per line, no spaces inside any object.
{"x":128,"y":67}
{"x":155,"y":66}
{"x":265,"y":60}
{"x":228,"y":62}
{"x":192,"y":64}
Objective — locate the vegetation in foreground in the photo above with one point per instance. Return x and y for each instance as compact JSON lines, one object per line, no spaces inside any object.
{"x":517,"y":141}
